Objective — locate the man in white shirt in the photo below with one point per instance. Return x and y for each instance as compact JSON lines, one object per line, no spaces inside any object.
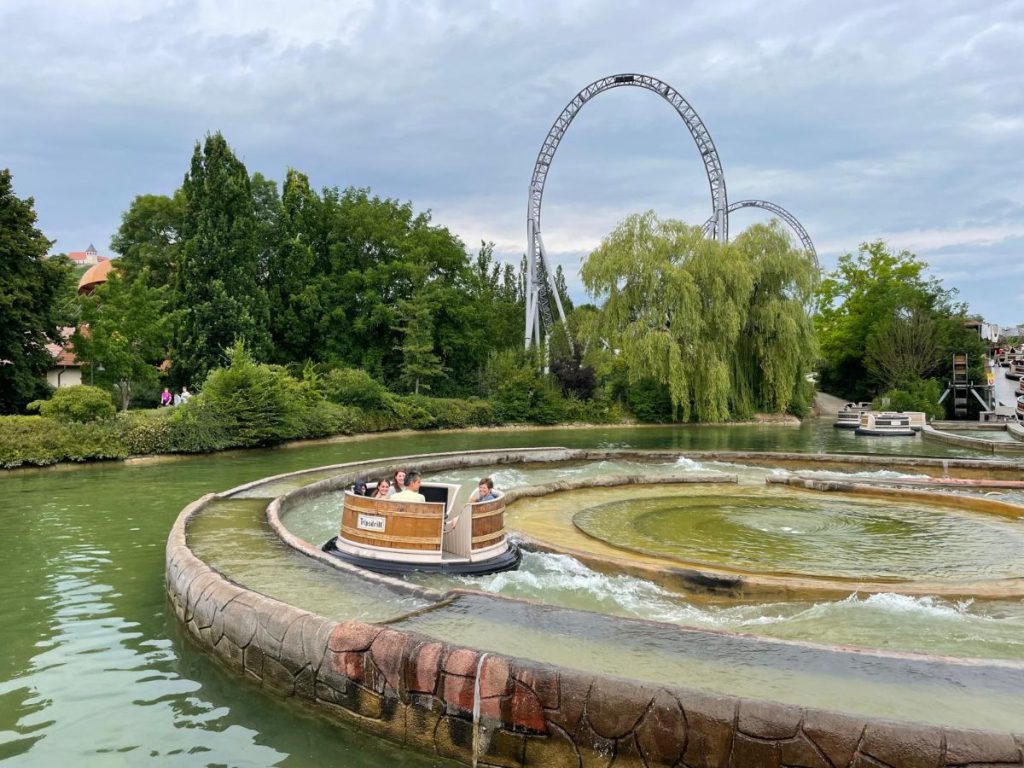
{"x":412,"y":489}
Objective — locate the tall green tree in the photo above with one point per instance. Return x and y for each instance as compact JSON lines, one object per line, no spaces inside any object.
{"x":777,"y":345}
{"x":691,"y":314}
{"x":31,"y":294}
{"x":125,"y":332}
{"x":381,"y":252}
{"x":904,"y":349}
{"x":220,"y":292}
{"x":420,"y":365}
{"x":292,"y":289}
{"x":149,"y":238}
{"x":859,"y":299}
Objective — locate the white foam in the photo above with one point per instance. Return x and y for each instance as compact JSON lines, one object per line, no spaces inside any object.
{"x":684,"y":463}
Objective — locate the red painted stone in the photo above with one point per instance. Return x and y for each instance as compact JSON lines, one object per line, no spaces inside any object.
{"x":461,"y":661}
{"x":491,"y":707}
{"x":458,"y":692}
{"x":387,"y":652}
{"x":525,"y":710}
{"x":349,"y":664}
{"x":421,"y":674}
{"x":352,"y":636}
{"x":543,"y":682}
{"x":494,"y":677}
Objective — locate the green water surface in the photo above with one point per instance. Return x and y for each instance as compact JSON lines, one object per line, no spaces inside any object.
{"x":95,"y":672}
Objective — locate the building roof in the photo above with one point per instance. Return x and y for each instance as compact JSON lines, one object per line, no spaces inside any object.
{"x":80,"y":257}
{"x":63,"y":357}
{"x":94,"y":276}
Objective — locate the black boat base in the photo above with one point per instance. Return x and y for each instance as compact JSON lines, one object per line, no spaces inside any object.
{"x":507,"y":561}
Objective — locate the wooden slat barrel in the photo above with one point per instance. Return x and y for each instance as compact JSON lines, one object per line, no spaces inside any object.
{"x":488,"y":523}
{"x":392,"y":524}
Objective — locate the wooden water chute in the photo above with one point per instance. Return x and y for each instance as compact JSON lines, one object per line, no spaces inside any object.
{"x":436,"y":535}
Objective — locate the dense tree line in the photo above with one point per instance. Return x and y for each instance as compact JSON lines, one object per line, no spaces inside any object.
{"x":330,"y":283}
{"x":336,"y":277}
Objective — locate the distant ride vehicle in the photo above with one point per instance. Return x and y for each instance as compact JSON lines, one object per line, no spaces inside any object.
{"x":888,"y":424}
{"x":849,"y":417}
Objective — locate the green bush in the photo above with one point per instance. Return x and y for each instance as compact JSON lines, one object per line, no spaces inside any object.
{"x":41,"y":441}
{"x":79,"y":403}
{"x":147,"y":432}
{"x":198,"y":427}
{"x":921,"y":395}
{"x":258,"y":404}
{"x":353,"y":386}
{"x":650,"y":402}
{"x":597,"y":411}
{"x":450,"y":413}
{"x":526,"y":397}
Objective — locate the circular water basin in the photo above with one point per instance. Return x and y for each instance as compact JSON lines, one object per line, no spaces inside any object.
{"x":775,"y":531}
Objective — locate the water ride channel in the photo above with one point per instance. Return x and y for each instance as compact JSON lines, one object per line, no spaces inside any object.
{"x":745,"y":595}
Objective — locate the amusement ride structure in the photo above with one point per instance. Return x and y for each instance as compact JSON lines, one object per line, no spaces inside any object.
{"x":540,"y":281}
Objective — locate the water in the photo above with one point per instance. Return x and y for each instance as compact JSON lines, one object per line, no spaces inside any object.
{"x":968,"y":696}
{"x":94,"y":672}
{"x":779,"y":530}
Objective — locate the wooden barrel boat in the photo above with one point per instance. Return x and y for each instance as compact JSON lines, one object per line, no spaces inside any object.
{"x":438,"y":535}
{"x":885,"y":424}
{"x":1020,"y":408}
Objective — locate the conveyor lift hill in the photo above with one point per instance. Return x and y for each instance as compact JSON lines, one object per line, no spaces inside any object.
{"x":961,"y":388}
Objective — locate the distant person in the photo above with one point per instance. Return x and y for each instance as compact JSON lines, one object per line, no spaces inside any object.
{"x":185,"y":395}
{"x":165,"y":398}
{"x":484,"y":491}
{"x":359,"y":487}
{"x":383,"y":489}
{"x":177,"y":398}
{"x":398,"y":481}
{"x":412,"y":489}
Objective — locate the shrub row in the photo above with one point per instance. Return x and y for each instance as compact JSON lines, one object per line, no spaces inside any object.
{"x":250,"y":404}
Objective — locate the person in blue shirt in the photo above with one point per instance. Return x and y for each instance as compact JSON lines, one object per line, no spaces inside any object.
{"x":484,"y":491}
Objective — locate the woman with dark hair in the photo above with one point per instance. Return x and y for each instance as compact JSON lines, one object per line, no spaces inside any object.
{"x":397,"y":482}
{"x":359,"y":487}
{"x":383,"y":489}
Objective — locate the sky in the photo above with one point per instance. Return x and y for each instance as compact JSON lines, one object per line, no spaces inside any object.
{"x":901,"y":121}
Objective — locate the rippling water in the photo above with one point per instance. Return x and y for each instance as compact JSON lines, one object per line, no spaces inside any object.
{"x":787,"y":531}
{"x":94,"y":672}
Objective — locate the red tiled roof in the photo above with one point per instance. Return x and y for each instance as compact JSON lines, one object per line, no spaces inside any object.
{"x":63,"y":356}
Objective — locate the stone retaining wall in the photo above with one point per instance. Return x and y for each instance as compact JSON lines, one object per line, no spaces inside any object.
{"x":491,"y":709}
{"x":975,"y":443}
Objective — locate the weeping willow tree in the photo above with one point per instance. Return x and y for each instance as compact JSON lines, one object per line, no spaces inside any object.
{"x":723,"y":326}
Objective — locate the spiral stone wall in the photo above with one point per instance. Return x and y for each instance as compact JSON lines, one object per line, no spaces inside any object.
{"x":490,"y":709}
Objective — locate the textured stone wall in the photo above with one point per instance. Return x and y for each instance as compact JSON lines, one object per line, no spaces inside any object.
{"x":490,"y":709}
{"x":975,"y":443}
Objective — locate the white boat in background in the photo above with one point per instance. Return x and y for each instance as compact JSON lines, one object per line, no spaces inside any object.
{"x":849,"y":417}
{"x":886,"y":424}
{"x":1016,"y":370}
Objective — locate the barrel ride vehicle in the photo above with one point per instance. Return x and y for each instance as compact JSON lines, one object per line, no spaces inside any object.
{"x":438,"y":535}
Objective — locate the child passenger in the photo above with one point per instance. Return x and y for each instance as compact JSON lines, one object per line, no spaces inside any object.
{"x":383,"y":489}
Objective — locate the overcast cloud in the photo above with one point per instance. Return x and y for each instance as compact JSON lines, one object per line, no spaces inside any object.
{"x":894,"y":120}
